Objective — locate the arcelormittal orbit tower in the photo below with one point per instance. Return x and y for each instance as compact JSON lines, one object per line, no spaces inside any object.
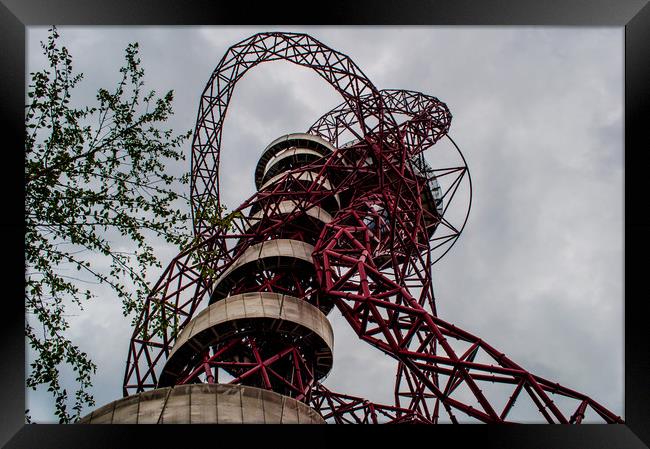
{"x":346,"y":215}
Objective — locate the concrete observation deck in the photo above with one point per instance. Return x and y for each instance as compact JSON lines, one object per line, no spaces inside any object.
{"x":251,"y":313}
{"x":205,"y":404}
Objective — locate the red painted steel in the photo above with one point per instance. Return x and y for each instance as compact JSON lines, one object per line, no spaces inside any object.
{"x":395,"y":215}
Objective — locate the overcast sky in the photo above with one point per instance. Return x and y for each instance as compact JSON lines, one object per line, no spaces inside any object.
{"x":538,"y":114}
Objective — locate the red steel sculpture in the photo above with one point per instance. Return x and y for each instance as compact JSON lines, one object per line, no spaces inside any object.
{"x":347,"y":215}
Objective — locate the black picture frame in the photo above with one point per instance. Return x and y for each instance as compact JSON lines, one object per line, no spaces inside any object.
{"x":634,"y":15}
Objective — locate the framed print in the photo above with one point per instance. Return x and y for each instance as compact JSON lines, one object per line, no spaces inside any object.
{"x":554,"y":81}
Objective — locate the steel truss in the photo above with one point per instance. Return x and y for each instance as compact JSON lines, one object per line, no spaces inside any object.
{"x":390,"y":221}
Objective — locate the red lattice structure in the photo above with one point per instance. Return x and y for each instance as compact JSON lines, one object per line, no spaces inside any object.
{"x":348,"y":215}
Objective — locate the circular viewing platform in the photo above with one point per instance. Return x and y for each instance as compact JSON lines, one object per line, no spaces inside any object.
{"x":313,"y":145}
{"x":285,"y":316}
{"x":205,"y":404}
{"x":278,"y":254}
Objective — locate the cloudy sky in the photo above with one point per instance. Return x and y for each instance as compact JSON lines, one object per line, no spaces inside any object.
{"x":538,"y":114}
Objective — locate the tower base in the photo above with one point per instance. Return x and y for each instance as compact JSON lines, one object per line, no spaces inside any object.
{"x":205,"y":404}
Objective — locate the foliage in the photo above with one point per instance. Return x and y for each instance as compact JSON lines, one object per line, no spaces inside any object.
{"x":96,"y":182}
